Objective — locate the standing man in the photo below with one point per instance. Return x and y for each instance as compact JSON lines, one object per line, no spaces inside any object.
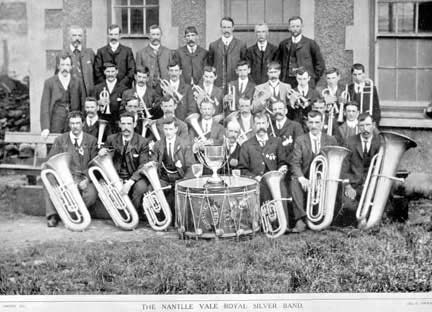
{"x":155,"y":56}
{"x":82,"y":60}
{"x":115,"y":53}
{"x":192,"y":58}
{"x":306,"y":147}
{"x":225,"y":53}
{"x":61,"y":93}
{"x":83,"y":148}
{"x":299,"y":51}
{"x":260,"y":54}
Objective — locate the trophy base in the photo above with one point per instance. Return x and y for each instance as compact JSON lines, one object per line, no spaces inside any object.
{"x":215,"y":182}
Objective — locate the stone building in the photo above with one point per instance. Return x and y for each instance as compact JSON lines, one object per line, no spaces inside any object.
{"x":392,"y":38}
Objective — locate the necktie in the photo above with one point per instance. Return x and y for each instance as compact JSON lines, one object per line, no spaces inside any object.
{"x":76,"y":143}
{"x":170,"y":155}
{"x":316,"y":146}
{"x":241,"y":87}
{"x":365,"y":151}
{"x":126,"y":143}
{"x":358,"y":89}
{"x":274,"y":90}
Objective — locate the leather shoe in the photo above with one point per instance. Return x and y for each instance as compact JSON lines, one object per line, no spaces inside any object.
{"x":299,"y":227}
{"x":53,"y":221}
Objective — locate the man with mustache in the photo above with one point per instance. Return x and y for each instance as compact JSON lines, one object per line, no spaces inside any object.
{"x":61,"y":94}
{"x":225,"y":53}
{"x":306,"y":147}
{"x":155,"y":56}
{"x":191,"y":57}
{"x":350,"y":127}
{"x":115,"y":53}
{"x":242,"y":86}
{"x":91,"y":123}
{"x":169,"y":106}
{"x":130,"y":152}
{"x":83,"y":59}
{"x":320,"y":106}
{"x":245,"y":119}
{"x":83,"y":148}
{"x":232,"y":132}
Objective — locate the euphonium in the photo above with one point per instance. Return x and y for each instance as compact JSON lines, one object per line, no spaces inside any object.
{"x":324,"y":178}
{"x":155,"y":205}
{"x":108,"y":184}
{"x":168,"y":89}
{"x":101,"y":130}
{"x":380,"y":177}
{"x":192,"y":120}
{"x":272,"y":212}
{"x":64,"y":193}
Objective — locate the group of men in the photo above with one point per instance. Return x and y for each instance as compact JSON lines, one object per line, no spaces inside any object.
{"x":260,"y":102}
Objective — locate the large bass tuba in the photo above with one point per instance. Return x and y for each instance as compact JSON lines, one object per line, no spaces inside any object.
{"x":108,"y":184}
{"x":273,"y":217}
{"x":380,"y":177}
{"x":155,"y":205}
{"x":64,"y":193}
{"x":324,"y":179}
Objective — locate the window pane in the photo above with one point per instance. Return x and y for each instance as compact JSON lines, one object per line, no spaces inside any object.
{"x":137,"y":23}
{"x":291,"y":8}
{"x":120,"y":2}
{"x":424,"y":53}
{"x":387,"y":83}
{"x":405,"y":13}
{"x":384,"y":17}
{"x":424,"y":77}
{"x":152,"y":17}
{"x":274,"y":11}
{"x":407,"y":51}
{"x":387,"y":52}
{"x":406,"y":85}
{"x":120,"y":18}
{"x":152,"y":2}
{"x":137,"y":2}
{"x":425,"y":20}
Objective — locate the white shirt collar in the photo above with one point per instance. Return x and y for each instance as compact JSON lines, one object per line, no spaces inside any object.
{"x":124,"y":139}
{"x":296,"y":39}
{"x":64,"y":80}
{"x":192,"y":49}
{"x":172,"y":141}
{"x":274,"y":85}
{"x":352,"y":124}
{"x":304,"y":90}
{"x":80,"y":138}
{"x":114,"y":46}
{"x":280,"y":123}
{"x":91,"y":121}
{"x":264,"y":138}
{"x":72,"y":48}
{"x":227,"y":41}
{"x":262,"y":46}
{"x":312,"y":137}
{"x":154,"y":47}
{"x":357,"y":85}
{"x":208,"y":89}
{"x":175,"y":84}
{"x":141,"y":90}
{"x":111,"y":85}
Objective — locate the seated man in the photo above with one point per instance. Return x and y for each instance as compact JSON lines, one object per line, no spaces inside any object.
{"x":169,"y":107}
{"x":232,"y":146}
{"x":306,"y":147}
{"x":91,"y":123}
{"x":242,"y":86}
{"x":132,"y":106}
{"x":83,"y":148}
{"x":320,"y":106}
{"x":350,"y":127}
{"x":130,"y":152}
{"x":175,"y":157}
{"x":245,"y":119}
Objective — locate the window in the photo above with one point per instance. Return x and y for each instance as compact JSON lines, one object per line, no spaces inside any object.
{"x":135,"y":16}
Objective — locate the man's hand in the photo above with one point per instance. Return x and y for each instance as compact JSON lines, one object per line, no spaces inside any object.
{"x":350,"y":192}
{"x":283,"y":169}
{"x":151,"y":145}
{"x":45,"y":133}
{"x":178,"y":164}
{"x":258,"y":178}
{"x":126,"y":187}
{"x":304,"y":183}
{"x":102,"y":152}
{"x":83,"y":184}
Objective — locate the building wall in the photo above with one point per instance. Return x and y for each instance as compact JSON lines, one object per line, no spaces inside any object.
{"x":189,"y":13}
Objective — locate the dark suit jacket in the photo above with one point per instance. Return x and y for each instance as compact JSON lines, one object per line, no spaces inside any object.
{"x":149,"y":98}
{"x":343,"y":133}
{"x":52,"y":92}
{"x":94,"y":130}
{"x":308,"y":55}
{"x":290,"y":129}
{"x":376,"y":110}
{"x":302,"y":155}
{"x":192,"y":65}
{"x":259,"y":63}
{"x":254,"y":158}
{"x":115,"y":101}
{"x":216,"y":94}
{"x":299,"y":114}
{"x":216,"y":133}
{"x":216,"y":58}
{"x":79,"y":165}
{"x":247,"y":92}
{"x":137,"y":153}
{"x":182,"y":107}
{"x":182,"y":152}
{"x":232,"y":159}
{"x":157,"y":63}
{"x":353,"y":168}
{"x":124,"y":59}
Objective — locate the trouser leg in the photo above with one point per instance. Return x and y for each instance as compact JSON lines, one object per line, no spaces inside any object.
{"x":298,"y":200}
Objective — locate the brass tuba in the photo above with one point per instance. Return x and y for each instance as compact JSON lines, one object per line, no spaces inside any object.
{"x":380,"y":177}
{"x":64,"y":193}
{"x":155,"y":205}
{"x":108,"y":184}
{"x":272,"y":212}
{"x":324,"y":179}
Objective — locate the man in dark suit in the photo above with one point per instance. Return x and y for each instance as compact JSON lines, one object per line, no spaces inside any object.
{"x":92,"y":121}
{"x":320,"y":106}
{"x":225,"y":53}
{"x":232,"y":146}
{"x":130,"y":152}
{"x":299,"y":51}
{"x":82,"y":60}
{"x":109,"y":106}
{"x":306,"y":147}
{"x":260,"y":54}
{"x":169,"y":106}
{"x":175,"y":157}
{"x":350,"y":127}
{"x":333,"y":93}
{"x":245,"y":120}
{"x":83,"y":148}
{"x":192,"y":58}
{"x":241,"y":87}
{"x":61,"y":93}
{"x":116,"y":53}
{"x":360,"y":91}
{"x":155,"y":56}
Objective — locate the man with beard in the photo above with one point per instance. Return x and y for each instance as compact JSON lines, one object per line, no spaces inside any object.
{"x":109,"y":106}
{"x":91,"y":123}
{"x":177,"y":89}
{"x":242,"y":86}
{"x":225,"y":53}
{"x":145,"y":94}
{"x":306,"y":147}
{"x":115,"y":53}
{"x":232,"y":146}
{"x":192,"y":58}
{"x":350,"y":127}
{"x":263,"y":153}
{"x":260,"y":54}
{"x":83,"y":148}
{"x":155,"y":56}
{"x":130,"y":152}
{"x":299,"y":51}
{"x":61,"y":93}
{"x":82,"y":60}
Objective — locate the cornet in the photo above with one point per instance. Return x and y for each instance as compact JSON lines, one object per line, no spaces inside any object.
{"x":200,"y":94}
{"x":301,"y":101}
{"x":104,"y":98}
{"x":335,"y":110}
{"x":168,"y":89}
{"x":151,"y":124}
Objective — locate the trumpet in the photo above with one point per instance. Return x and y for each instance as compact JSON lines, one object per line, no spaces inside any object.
{"x":368,"y":88}
{"x":300,"y":102}
{"x":102,"y":126}
{"x":104,"y":98}
{"x":168,"y":89}
{"x":108,"y":184}
{"x":64,"y":193}
{"x":142,"y":108}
